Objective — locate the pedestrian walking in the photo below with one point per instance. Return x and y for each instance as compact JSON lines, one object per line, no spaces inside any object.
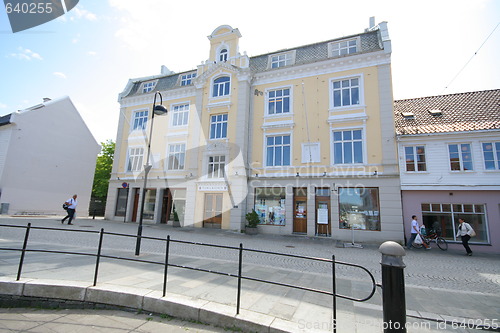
{"x":72,"y":203}
{"x":415,"y":230}
{"x":465,"y":231}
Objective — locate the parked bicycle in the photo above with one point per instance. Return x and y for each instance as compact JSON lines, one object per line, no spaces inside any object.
{"x":433,"y":236}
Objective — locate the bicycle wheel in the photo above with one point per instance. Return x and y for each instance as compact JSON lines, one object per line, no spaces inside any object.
{"x":441,"y":243}
{"x":417,"y":246}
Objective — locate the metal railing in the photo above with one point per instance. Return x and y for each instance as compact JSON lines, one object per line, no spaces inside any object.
{"x":166,"y":264}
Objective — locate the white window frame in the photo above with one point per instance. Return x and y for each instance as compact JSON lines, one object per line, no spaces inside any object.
{"x":135,"y":159}
{"x":216,"y":166}
{"x":178,"y":153}
{"x":460,"y":156}
{"x":187,"y":79}
{"x":267,"y":135}
{"x":496,"y":155}
{"x":223,"y":54}
{"x":218,"y":86}
{"x":178,"y":111}
{"x":343,"y":47}
{"x":217,"y":129}
{"x":279,"y":60}
{"x":415,"y":158}
{"x":332,"y":90}
{"x":363,"y":145}
{"x":148,"y":86}
{"x":290,"y":99}
{"x":142,"y":117}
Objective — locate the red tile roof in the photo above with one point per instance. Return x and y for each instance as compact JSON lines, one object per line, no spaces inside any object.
{"x":478,"y":110}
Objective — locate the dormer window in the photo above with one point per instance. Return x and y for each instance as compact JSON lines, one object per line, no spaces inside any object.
{"x":187,"y":79}
{"x":344,"y":47}
{"x":281,"y":60}
{"x":148,"y":86}
{"x":223,"y":55}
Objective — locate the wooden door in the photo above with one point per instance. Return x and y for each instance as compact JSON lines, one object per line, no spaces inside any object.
{"x":300,"y":210}
{"x":136,"y":204}
{"x":323,"y":216}
{"x":166,"y":207}
{"x":212,"y":215}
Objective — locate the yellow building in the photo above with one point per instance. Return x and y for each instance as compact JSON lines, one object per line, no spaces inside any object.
{"x":304,"y":136}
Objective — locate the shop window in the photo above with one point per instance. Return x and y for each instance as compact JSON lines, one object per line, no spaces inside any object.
{"x":444,"y":218}
{"x":149,"y":205}
{"x":270,"y":205}
{"x":359,"y":208}
{"x":121,"y":202}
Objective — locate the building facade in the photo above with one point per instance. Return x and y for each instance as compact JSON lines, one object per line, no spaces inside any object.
{"x":47,"y":154}
{"x":304,"y":136}
{"x":449,"y":148}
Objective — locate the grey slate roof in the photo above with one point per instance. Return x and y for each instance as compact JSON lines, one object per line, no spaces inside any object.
{"x":470,"y":111}
{"x":369,"y":42}
{"x":5,"y":120}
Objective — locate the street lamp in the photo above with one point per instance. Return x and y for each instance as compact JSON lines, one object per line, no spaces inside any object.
{"x":158,"y":110}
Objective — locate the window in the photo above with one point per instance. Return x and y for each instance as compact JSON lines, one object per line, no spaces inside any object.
{"x":491,"y":154}
{"x":278,"y":150}
{"x":344,"y":47}
{"x":121,"y":202}
{"x":176,"y":156}
{"x":135,"y":156}
{"x":270,"y":205}
{"x":347,"y":147}
{"x":415,"y":158}
{"x":218,"y":126}
{"x":216,"y":166}
{"x":148,"y":86}
{"x":346,"y":92}
{"x":180,"y":115}
{"x":460,"y":157}
{"x":278,"y":101}
{"x":221,"y":86}
{"x":223,"y":55}
{"x":140,"y":120}
{"x":445,"y":216}
{"x":281,"y":60}
{"x":359,"y":208}
{"x":149,"y":204}
{"x":186,"y":79}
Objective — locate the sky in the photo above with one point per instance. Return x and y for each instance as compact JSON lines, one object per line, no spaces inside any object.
{"x":90,"y":53}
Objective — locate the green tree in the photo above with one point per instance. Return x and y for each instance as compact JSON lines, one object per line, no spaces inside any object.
{"x":103,"y":170}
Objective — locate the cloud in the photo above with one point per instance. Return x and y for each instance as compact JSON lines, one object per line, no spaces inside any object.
{"x":83,"y":13}
{"x":25,"y":54}
{"x":60,"y":75}
{"x":92,"y":53}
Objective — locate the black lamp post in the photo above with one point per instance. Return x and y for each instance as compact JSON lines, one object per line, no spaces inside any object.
{"x":158,"y":110}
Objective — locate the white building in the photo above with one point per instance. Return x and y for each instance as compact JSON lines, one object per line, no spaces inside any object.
{"x":47,"y":154}
{"x":449,"y":148}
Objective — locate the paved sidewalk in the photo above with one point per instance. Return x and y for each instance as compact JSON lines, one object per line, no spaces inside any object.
{"x":294,"y":310}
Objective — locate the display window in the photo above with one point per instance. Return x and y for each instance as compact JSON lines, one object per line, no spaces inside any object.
{"x":270,"y":205}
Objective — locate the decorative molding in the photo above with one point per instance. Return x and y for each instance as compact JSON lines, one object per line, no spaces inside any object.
{"x":278,"y":124}
{"x":344,"y":118}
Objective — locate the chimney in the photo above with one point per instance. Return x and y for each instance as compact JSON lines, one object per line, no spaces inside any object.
{"x":165,"y":70}
{"x":46,"y":99}
{"x":372,"y":22}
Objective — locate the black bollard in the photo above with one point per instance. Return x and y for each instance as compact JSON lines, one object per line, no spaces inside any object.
{"x":393,"y":287}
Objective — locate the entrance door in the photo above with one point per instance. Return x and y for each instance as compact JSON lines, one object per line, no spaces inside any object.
{"x":136,"y":204}
{"x":323,"y":226}
{"x":166,"y":206}
{"x":300,"y":210}
{"x":212,"y":217}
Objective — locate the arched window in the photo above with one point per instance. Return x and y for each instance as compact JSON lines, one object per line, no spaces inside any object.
{"x":223,"y":55}
{"x":221,"y":86}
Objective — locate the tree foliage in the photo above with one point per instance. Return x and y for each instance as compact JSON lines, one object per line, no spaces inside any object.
{"x":103,"y":167}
